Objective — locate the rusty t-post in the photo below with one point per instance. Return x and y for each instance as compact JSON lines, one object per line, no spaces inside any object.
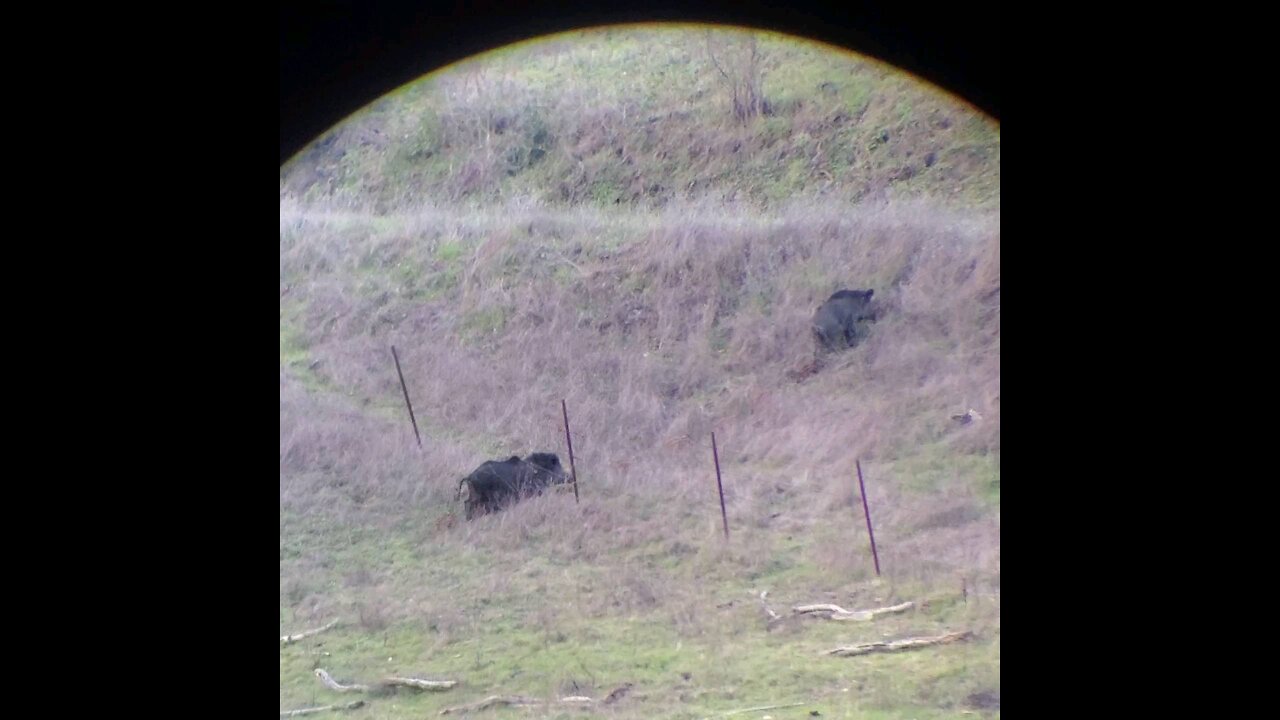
{"x":406,"y":396}
{"x":715,"y":455}
{"x":569,"y":441}
{"x":866,"y":511}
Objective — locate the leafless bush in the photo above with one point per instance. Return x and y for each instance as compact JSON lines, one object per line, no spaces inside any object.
{"x":736,"y":58}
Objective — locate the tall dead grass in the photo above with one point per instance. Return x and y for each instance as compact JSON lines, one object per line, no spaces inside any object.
{"x":656,"y":329}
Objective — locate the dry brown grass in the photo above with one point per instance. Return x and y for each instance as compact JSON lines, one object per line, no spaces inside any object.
{"x":656,"y":329}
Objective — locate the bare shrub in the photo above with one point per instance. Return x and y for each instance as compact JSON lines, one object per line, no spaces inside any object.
{"x":736,"y":58}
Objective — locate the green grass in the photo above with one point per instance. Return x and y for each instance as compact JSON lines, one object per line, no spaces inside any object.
{"x":484,"y":322}
{"x":295,"y":355}
{"x":448,"y":251}
{"x":932,"y":467}
{"x":649,"y":628}
{"x":654,"y":94}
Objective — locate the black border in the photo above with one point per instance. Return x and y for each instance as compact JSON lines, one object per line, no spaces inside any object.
{"x":338,"y":55}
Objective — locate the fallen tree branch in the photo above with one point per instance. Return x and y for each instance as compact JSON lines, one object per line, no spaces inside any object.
{"x":416,"y":683}
{"x":839,"y":613}
{"x":515,"y":701}
{"x":525,"y":701}
{"x":772,"y":615}
{"x":286,"y":639}
{"x":333,"y":684}
{"x":421,"y":684}
{"x":775,"y":622}
{"x":833,"y":612}
{"x":326,"y":708}
{"x":762,"y":707}
{"x":906,"y":644}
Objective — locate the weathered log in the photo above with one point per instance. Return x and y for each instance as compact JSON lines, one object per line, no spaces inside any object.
{"x":416,"y":683}
{"x":894,"y":645}
{"x":515,"y":701}
{"x":761,"y":708}
{"x":525,"y":701}
{"x":332,"y":684}
{"x":772,"y":615}
{"x":421,"y":684}
{"x":839,"y":613}
{"x":326,"y":708}
{"x":286,"y":639}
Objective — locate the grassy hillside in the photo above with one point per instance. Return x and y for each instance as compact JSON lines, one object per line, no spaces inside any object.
{"x":640,"y":116}
{"x":508,"y":282}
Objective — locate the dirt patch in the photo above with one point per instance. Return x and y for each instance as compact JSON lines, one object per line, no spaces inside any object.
{"x":984,"y":700}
